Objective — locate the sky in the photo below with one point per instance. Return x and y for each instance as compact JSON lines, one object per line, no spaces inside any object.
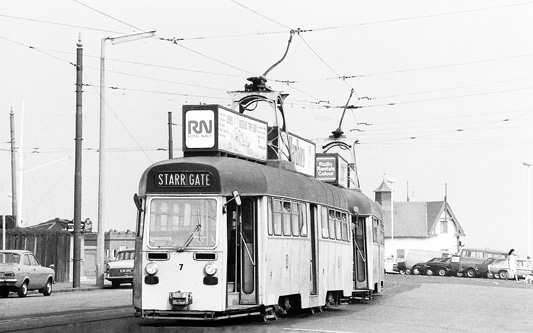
{"x":442,"y":96}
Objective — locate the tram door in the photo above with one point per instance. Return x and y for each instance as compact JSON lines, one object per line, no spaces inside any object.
{"x":247,"y":258}
{"x":242,"y":262}
{"x":360,"y":256}
{"x":314,"y":250}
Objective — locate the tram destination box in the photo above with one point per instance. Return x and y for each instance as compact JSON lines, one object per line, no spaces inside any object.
{"x":210,"y":129}
{"x":332,"y":168}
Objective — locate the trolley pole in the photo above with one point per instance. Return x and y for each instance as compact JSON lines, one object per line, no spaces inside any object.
{"x":77,"y":166}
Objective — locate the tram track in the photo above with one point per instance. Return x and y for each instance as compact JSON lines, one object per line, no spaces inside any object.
{"x":52,"y":322}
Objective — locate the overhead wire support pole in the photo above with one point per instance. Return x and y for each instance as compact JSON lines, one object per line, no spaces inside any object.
{"x":78,"y":167}
{"x":100,"y":243}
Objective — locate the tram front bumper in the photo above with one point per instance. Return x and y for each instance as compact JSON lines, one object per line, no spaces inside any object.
{"x":179,"y":298}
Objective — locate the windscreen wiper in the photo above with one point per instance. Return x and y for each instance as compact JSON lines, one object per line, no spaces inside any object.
{"x":189,"y":240}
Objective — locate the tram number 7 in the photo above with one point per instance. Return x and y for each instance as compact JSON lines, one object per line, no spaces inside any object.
{"x":181,"y":267}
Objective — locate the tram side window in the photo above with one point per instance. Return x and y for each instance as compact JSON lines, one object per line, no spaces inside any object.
{"x":286,"y":218}
{"x":324,"y":223}
{"x":295,"y":219}
{"x":331,"y":220}
{"x":270,"y":217}
{"x":374,"y":231}
{"x":303,"y":220}
{"x":277,"y":217}
{"x":344,"y":225}
{"x":338,"y":226}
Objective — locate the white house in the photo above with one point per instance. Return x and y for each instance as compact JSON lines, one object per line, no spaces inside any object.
{"x":426,"y":225}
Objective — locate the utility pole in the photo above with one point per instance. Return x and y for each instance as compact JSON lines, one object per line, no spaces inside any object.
{"x":77,"y":166}
{"x":14,"y":209}
{"x":170,"y":143}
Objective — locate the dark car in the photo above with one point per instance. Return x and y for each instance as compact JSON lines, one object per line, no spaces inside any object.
{"x":401,"y":267}
{"x":439,"y":267}
{"x":421,"y":267}
{"x":482,"y":269}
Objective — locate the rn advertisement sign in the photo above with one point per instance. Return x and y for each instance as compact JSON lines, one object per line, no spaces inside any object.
{"x":214,"y":128}
{"x":332,"y":168}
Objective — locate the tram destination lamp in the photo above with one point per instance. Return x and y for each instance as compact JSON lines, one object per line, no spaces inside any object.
{"x":528,"y":164}
{"x":101,"y":151}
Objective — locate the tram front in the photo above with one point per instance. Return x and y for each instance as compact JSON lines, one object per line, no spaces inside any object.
{"x":180,"y":266}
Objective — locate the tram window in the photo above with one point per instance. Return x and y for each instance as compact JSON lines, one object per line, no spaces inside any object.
{"x":286,"y":218}
{"x":277,"y":217}
{"x":344,"y":225}
{"x":331,"y":224}
{"x":374,"y":230}
{"x":338,"y":226}
{"x":270,"y":217}
{"x":174,"y":221}
{"x":324,"y":223}
{"x":295,"y":219}
{"x":303,"y":220}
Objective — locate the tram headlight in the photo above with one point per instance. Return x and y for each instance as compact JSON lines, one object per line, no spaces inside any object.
{"x":210,"y":269}
{"x":151,"y":268}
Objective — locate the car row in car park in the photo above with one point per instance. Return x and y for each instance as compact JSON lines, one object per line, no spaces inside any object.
{"x":488,"y":268}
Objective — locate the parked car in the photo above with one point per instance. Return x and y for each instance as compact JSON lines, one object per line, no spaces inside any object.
{"x":500,"y":268}
{"x":402,"y":269}
{"x":21,"y":272}
{"x":415,"y":256}
{"x":120,"y":270}
{"x":440,"y":267}
{"x":422,"y":267}
{"x":469,"y":259}
{"x":391,"y":265}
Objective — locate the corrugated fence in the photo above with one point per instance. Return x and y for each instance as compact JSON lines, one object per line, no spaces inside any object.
{"x":50,"y":248}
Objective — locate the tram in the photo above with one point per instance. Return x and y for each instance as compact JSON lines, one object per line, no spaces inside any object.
{"x":220,"y":237}
{"x":235,"y":229}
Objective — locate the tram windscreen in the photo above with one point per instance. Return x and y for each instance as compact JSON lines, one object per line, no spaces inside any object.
{"x":182,"y":223}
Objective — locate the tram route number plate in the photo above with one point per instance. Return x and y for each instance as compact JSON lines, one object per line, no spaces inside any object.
{"x":180,"y":298}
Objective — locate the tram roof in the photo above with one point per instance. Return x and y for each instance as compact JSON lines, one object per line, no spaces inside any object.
{"x":249,"y":178}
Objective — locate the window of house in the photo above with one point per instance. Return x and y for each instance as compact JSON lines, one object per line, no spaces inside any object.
{"x":444,"y":227}
{"x":400,"y":253}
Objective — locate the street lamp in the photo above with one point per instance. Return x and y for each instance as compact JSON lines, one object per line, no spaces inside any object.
{"x":528,"y":164}
{"x":392,"y":181}
{"x":101,"y":151}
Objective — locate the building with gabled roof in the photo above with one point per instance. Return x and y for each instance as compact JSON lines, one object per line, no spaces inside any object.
{"x":425,"y":225}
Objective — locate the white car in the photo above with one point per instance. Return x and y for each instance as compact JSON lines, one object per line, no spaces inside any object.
{"x":391,"y":265}
{"x":120,"y":270}
{"x":20,"y":272}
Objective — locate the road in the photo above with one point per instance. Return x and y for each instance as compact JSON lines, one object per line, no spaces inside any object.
{"x":408,"y":304}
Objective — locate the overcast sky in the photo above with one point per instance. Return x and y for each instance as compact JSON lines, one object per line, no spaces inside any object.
{"x":443,"y":91}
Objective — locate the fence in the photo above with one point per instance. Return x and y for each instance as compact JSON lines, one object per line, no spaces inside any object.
{"x":50,"y":248}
